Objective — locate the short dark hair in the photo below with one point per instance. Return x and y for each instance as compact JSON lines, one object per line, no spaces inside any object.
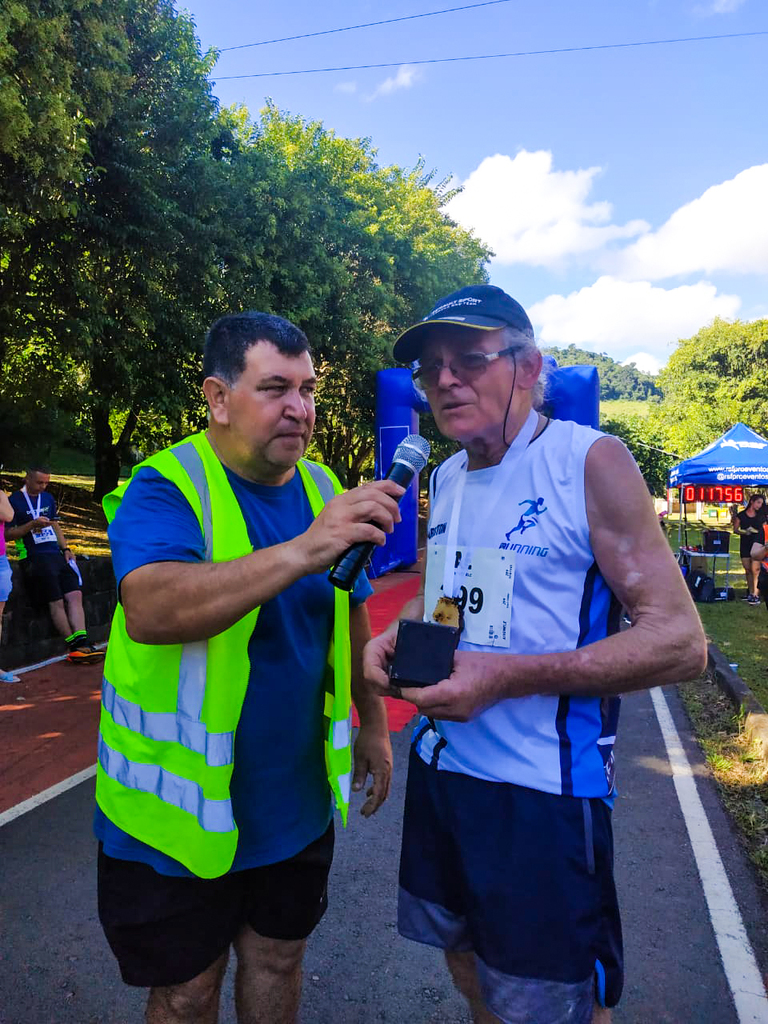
{"x":230,"y":337}
{"x":38,"y":467}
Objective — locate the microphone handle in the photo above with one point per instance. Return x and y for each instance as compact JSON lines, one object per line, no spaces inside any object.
{"x":347,"y":569}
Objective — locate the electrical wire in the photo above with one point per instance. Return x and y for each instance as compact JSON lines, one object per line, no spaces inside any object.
{"x":493,"y":56}
{"x":367,"y":24}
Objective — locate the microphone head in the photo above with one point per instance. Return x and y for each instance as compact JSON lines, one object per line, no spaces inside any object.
{"x":413,"y":450}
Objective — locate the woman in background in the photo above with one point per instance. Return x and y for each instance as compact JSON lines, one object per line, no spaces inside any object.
{"x":6,"y":584}
{"x":749,"y":525}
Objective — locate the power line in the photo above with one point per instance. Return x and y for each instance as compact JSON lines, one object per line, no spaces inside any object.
{"x":367,"y":24}
{"x":492,"y":56}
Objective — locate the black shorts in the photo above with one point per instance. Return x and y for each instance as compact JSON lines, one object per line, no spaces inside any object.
{"x":165,"y":930}
{"x":522,"y":878}
{"x":49,"y":577}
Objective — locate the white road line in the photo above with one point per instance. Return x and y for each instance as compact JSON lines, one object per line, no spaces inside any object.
{"x":739,"y":963}
{"x":49,"y":661}
{"x":47,"y":794}
{"x":61,"y":787}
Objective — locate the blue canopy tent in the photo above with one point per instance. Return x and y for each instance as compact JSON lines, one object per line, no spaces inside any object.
{"x":740,"y":456}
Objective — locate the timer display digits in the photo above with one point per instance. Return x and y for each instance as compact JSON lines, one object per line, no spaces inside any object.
{"x":713,"y":493}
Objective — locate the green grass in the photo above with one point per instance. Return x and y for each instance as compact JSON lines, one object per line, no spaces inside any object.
{"x":67,"y":464}
{"x":739,"y":630}
{"x":739,"y":771}
{"x":620,"y":408}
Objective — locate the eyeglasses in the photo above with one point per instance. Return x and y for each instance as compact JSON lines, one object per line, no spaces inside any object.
{"x":464,"y":365}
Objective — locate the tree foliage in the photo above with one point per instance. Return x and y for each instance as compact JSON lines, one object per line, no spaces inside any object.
{"x":616,"y":381}
{"x":177,"y":212}
{"x":715,"y":379}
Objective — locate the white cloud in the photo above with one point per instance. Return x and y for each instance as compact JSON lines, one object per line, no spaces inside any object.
{"x":621,"y":317}
{"x":725,"y":229}
{"x":644,"y":362}
{"x":724,"y":6}
{"x":405,"y":77}
{"x":529,"y":213}
{"x":345,"y":87}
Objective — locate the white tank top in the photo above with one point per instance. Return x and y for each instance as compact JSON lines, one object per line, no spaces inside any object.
{"x":559,"y":602}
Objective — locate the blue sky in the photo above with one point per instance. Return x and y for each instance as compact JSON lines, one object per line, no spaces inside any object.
{"x":625,"y":192}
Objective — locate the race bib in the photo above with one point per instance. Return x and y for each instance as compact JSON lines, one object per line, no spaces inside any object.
{"x":45,"y":536}
{"x":484,"y":580}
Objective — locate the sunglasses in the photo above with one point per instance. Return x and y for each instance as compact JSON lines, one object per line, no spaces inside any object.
{"x":465,"y":366}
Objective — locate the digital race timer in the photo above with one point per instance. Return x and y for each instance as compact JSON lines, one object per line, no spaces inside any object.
{"x":710,"y":493}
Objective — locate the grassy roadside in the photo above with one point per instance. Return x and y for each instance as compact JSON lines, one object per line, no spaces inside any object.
{"x":739,"y":772}
{"x":739,"y":630}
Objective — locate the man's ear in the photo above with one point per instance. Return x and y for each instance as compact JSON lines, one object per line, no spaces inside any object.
{"x":216,"y":392}
{"x":529,"y":369}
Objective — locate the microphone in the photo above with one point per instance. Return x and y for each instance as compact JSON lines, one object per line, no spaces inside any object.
{"x":409,"y":459}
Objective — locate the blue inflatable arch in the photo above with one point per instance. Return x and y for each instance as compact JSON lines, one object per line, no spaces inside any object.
{"x":572,"y":393}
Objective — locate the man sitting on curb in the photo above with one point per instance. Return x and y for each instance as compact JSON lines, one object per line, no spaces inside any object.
{"x":48,"y":562}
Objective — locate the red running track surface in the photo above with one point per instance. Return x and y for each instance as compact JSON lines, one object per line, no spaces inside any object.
{"x":49,"y":721}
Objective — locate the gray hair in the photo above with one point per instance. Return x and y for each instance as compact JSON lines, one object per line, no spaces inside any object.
{"x":525,"y":345}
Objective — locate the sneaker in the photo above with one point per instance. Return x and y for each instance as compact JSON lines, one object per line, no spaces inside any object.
{"x":747,"y":598}
{"x":753,"y":600}
{"x":85,"y":655}
{"x":9,"y":677}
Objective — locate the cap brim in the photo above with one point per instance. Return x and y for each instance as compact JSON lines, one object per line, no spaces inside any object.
{"x":408,"y":346}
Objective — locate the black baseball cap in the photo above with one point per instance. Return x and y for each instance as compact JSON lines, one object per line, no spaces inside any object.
{"x":481,"y":306}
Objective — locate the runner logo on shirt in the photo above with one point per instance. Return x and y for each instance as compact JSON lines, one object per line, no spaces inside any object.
{"x":529,"y":517}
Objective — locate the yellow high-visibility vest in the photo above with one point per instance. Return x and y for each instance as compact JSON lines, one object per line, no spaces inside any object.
{"x":169,"y":712}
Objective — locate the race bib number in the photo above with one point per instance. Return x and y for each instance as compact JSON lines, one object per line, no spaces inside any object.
{"x":484,"y":580}
{"x":45,"y":536}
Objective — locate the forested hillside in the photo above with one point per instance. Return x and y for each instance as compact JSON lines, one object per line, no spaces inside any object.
{"x":616,"y":381}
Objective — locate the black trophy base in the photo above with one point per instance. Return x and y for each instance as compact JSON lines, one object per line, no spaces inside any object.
{"x":423,"y":653}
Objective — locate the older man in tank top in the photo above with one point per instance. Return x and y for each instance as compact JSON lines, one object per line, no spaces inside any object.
{"x":507,"y":846}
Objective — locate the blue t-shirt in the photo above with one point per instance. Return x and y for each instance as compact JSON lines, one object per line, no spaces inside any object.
{"x":280,"y":795}
{"x":25,"y":509}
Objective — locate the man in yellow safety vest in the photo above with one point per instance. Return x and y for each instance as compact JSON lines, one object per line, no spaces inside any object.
{"x":225,"y":734}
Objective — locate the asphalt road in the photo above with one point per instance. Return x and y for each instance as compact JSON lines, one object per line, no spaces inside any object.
{"x":55,"y":967}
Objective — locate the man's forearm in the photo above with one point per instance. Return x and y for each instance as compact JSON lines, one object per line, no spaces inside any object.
{"x":370,"y":707}
{"x":179,"y":602}
{"x":632,"y":660}
{"x":17,"y":532}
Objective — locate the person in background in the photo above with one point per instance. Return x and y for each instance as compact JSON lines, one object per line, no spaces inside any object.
{"x":6,"y":580}
{"x":749,"y":525}
{"x":48,"y":562}
{"x":759,"y":556}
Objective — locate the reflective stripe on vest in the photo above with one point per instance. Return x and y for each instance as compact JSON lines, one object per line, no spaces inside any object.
{"x":185,"y":726}
{"x":169,"y":727}
{"x":212,"y":815}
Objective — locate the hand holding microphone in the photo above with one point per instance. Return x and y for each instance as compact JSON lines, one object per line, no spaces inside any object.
{"x":409,"y":459}
{"x":352,"y":524}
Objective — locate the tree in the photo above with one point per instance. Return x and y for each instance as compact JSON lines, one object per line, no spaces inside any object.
{"x":616,"y":381}
{"x":647,"y":445}
{"x":714,"y":379}
{"x":137,"y":267}
{"x":355,"y":253}
{"x":62,"y":62}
